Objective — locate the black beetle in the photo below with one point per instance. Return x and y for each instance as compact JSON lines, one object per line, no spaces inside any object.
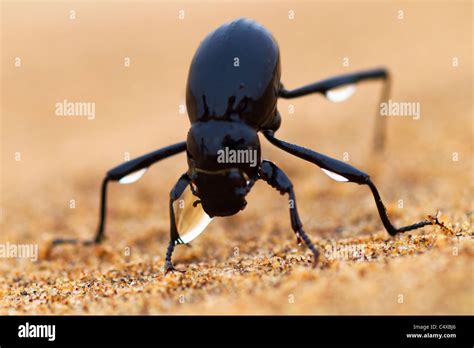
{"x":232,"y":92}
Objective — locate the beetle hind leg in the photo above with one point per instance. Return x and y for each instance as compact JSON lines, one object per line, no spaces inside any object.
{"x":328,"y":87}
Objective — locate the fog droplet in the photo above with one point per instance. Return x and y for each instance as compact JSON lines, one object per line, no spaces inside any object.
{"x":340,"y":94}
{"x":191,"y":220}
{"x":335,"y":176}
{"x":132,"y":177}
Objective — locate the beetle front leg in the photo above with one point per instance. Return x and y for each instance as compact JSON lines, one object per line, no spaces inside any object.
{"x":276,"y":178}
{"x":175,"y":193}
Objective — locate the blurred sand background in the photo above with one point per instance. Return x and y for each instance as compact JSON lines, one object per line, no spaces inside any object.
{"x":248,"y":263}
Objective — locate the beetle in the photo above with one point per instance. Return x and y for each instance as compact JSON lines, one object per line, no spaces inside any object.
{"x":232,"y":91}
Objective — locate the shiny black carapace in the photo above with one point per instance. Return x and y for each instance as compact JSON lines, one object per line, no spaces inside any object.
{"x":232,"y":92}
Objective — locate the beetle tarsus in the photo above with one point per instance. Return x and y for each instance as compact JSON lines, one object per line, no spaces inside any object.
{"x":434,"y":220}
{"x":170,"y":268}
{"x":168,"y":263}
{"x":412,"y":227}
{"x":64,"y":241}
{"x":392,"y":230}
{"x":87,"y":242}
{"x":310,"y":246}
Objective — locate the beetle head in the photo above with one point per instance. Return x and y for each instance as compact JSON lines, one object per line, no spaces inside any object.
{"x":221,"y":193}
{"x":223,"y":159}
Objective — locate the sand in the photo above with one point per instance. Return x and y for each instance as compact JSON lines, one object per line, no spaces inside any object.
{"x":52,"y":166}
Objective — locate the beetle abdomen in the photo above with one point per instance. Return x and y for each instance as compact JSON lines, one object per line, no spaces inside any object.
{"x":235,"y":72}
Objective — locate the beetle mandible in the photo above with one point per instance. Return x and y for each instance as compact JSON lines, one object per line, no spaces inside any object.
{"x":232,"y":91}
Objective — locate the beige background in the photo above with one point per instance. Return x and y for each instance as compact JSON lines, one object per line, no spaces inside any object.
{"x":137,"y":111}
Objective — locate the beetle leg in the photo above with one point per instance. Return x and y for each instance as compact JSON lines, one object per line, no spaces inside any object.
{"x":276,"y":178}
{"x":325,"y":86}
{"x":118,"y":173}
{"x":342,"y":171}
{"x":175,"y":193}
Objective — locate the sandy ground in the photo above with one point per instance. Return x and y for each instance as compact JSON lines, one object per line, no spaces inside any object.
{"x":248,"y":263}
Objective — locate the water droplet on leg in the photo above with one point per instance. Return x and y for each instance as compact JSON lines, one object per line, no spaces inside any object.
{"x":133,"y":177}
{"x":191,"y":220}
{"x":340,"y":94}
